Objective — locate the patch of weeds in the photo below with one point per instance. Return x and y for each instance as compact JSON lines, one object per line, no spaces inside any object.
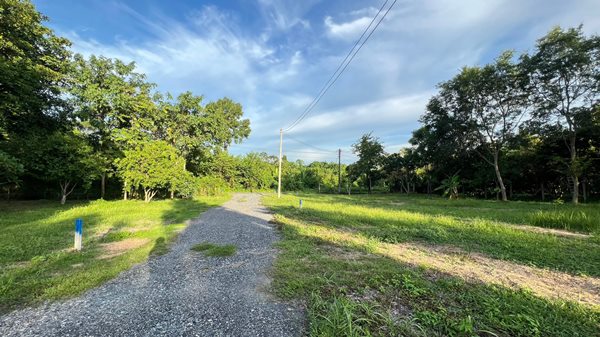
{"x":340,"y":316}
{"x":214,"y":250}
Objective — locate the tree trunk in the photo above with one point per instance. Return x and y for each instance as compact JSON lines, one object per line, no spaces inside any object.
{"x":499,"y":177}
{"x":172,"y":194}
{"x":574,"y":176}
{"x":584,"y":190}
{"x":102,"y":185}
{"x":543,"y":192}
{"x":64,"y":188}
{"x":369,"y":185}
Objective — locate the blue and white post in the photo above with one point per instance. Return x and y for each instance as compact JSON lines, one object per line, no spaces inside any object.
{"x":78,"y":234}
{"x":300,"y":203}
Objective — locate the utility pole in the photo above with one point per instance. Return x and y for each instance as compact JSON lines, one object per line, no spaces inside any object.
{"x":339,"y":171}
{"x":280,"y":150}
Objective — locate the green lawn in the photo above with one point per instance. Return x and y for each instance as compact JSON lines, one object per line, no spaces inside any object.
{"x":36,"y":240}
{"x":401,"y":265}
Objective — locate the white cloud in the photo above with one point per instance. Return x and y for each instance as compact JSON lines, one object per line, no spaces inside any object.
{"x":276,"y":68}
{"x":346,"y":30}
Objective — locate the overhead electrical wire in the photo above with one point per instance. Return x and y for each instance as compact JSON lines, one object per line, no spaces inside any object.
{"x":312,"y":146}
{"x":344,"y":64}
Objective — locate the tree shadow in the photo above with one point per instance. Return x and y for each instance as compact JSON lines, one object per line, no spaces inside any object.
{"x":571,"y":255}
{"x":37,"y":260}
{"x":420,"y":295}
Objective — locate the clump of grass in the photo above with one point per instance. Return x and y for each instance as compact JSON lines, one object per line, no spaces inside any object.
{"x":340,"y":316}
{"x":569,"y":220}
{"x":214,"y":250}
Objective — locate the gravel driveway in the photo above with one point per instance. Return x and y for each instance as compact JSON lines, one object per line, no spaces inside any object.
{"x":181,"y":293}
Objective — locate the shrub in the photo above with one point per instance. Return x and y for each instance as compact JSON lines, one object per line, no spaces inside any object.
{"x":211,"y":185}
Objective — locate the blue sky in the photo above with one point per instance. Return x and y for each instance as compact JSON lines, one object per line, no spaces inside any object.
{"x":274,"y":56}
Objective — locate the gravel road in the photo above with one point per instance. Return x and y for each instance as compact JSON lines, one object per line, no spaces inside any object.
{"x":182,"y":293}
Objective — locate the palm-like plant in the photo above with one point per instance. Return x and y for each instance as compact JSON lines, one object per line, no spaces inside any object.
{"x":450,"y":187}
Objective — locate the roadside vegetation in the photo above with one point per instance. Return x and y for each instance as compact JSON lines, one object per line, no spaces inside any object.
{"x":392,"y":265}
{"x":37,"y":261}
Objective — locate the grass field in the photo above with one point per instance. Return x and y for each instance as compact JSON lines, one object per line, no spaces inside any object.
{"x":417,"y":266}
{"x":36,"y":239}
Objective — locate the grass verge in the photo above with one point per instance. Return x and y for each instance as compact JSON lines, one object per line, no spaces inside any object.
{"x":333,"y":257}
{"x":36,"y":238}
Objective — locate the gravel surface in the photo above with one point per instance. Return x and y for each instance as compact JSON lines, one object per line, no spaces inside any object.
{"x":182,"y":293}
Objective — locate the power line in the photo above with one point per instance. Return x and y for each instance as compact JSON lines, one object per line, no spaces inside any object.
{"x":339,"y":72}
{"x":305,"y":143}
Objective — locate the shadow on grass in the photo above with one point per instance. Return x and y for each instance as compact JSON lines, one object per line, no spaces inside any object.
{"x":572,"y":255}
{"x":581,"y":218}
{"x":36,"y":240}
{"x":423,"y":302}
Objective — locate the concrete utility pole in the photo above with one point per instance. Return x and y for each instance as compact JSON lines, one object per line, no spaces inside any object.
{"x":339,"y":171}
{"x":280,"y":150}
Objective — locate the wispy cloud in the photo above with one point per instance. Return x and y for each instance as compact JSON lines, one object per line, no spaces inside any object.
{"x":275,"y":59}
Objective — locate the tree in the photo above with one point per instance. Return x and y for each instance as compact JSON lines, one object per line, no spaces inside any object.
{"x":63,"y":158}
{"x":254,"y":172}
{"x":109,"y":98}
{"x":370,"y":153}
{"x":32,"y":65}
{"x":489,"y":102}
{"x":565,"y":82}
{"x":151,"y":166}
{"x":10,"y":172}
{"x":223,"y":122}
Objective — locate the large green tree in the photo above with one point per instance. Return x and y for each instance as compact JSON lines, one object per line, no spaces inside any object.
{"x":111,"y":102}
{"x":370,"y":158}
{"x":33,"y":61}
{"x":565,"y":82}
{"x":490,"y":103}
{"x":151,"y":166}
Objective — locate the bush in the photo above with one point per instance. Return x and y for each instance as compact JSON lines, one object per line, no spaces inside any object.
{"x":211,"y":185}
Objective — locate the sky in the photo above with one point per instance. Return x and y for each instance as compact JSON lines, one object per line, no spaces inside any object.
{"x":273,"y":56}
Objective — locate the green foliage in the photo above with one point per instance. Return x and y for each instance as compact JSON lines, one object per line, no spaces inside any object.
{"x":151,"y":166}
{"x":224,"y":117}
{"x":254,"y":172}
{"x":370,"y":157}
{"x":214,"y":250}
{"x":211,"y":185}
{"x":10,"y":169}
{"x":33,"y":62}
{"x":450,"y":187}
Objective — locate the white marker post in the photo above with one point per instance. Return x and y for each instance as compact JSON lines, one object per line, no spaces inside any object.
{"x":300,"y":203}
{"x":78,"y":234}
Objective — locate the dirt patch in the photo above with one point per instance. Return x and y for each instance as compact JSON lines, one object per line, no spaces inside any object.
{"x":552,"y":231}
{"x":112,"y":249}
{"x":477,"y":267}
